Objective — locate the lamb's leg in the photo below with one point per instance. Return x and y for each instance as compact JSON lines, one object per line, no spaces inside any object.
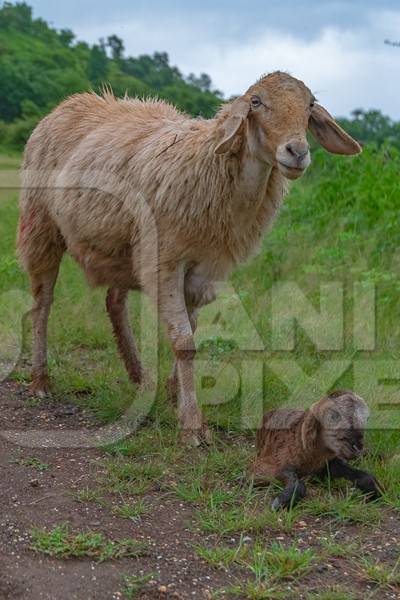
{"x":172,"y":383}
{"x":362,"y":480}
{"x":42,"y":290}
{"x":116,"y":303}
{"x":173,"y":311}
{"x":293,"y":492}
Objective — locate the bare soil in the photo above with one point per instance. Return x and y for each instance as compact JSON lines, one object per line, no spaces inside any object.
{"x":29,"y":498}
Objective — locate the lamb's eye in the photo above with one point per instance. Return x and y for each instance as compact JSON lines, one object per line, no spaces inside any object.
{"x":255,"y":101}
{"x":312,"y":104}
{"x":334,"y":416}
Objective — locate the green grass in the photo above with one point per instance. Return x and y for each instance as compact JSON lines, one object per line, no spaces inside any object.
{"x":333,"y":594}
{"x":246,"y":516}
{"x":127,"y":477}
{"x":268,"y":568}
{"x":331,"y":547}
{"x":278,"y":562}
{"x":220,"y":556}
{"x":339,"y":224}
{"x":33,"y":462}
{"x":380,"y":574}
{"x":331,"y":228}
{"x":264,"y":568}
{"x":344,"y":507}
{"x":134,"y":584}
{"x":62,"y":542}
{"x":88,"y":494}
{"x":256,"y":591}
{"x":131,"y":511}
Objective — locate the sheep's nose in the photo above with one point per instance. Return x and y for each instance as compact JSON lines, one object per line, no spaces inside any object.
{"x":298,"y":150}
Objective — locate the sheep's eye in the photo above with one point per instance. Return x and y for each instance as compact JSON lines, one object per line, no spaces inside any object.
{"x":255,"y":101}
{"x":312,"y":104}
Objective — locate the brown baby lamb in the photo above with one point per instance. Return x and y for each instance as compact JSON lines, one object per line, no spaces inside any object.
{"x":292,"y":444}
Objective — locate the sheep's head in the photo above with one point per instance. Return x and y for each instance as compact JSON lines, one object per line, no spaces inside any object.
{"x":275,"y":115}
{"x":340,"y":420}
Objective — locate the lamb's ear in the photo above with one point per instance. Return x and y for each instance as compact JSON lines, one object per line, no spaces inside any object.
{"x":309,"y":429}
{"x":329,"y":134}
{"x":238,"y":114}
{"x":361,"y":414}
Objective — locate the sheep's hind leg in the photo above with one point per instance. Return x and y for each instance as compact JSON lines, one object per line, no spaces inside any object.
{"x":42,"y":290}
{"x":293,"y":492}
{"x":116,"y":303}
{"x":362,"y":480}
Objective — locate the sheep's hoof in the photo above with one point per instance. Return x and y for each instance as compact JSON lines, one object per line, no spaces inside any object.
{"x":195,"y":438}
{"x":207,"y":435}
{"x":190,"y":438}
{"x":40,"y":388}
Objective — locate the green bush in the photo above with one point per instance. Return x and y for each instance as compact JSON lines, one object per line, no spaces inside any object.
{"x":40,"y":66}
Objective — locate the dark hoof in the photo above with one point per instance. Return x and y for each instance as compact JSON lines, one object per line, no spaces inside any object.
{"x":370,"y":487}
{"x":276,"y":504}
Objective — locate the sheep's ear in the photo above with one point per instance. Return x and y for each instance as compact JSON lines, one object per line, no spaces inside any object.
{"x":309,"y":429}
{"x":239,"y":112}
{"x":329,"y":134}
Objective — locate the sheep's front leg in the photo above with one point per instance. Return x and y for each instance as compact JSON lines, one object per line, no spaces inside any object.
{"x":293,"y":492}
{"x":174,"y":313}
{"x":362,"y":480}
{"x":172,"y":383}
{"x":196,"y":295}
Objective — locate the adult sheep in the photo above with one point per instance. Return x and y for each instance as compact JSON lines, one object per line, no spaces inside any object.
{"x":212,"y":187}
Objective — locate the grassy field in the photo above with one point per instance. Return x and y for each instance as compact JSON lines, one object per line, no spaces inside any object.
{"x":334,"y":248}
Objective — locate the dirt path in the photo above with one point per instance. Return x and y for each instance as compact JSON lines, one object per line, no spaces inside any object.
{"x":32,"y":498}
{"x":29,"y":498}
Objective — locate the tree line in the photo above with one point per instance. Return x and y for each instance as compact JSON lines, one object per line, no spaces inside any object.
{"x":40,"y":66}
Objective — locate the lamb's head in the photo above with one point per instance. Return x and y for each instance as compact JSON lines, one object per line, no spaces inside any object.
{"x":340,"y":419}
{"x":275,"y":115}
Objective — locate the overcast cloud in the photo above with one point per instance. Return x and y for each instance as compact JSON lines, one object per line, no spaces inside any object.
{"x":336,"y":47}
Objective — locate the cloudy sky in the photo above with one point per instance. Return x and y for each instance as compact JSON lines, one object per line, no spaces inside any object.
{"x":336,"y":46}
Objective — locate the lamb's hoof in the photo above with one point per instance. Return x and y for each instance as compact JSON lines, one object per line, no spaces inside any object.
{"x":40,"y":388}
{"x":277,"y":504}
{"x":195,"y":438}
{"x":370,"y":487}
